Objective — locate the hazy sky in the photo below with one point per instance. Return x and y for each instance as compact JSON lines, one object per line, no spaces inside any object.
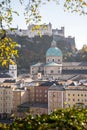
{"x":75,"y":24}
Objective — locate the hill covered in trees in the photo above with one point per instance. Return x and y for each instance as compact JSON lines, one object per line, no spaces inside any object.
{"x":33,"y":50}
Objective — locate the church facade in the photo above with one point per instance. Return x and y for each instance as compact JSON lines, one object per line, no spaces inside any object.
{"x":55,"y":68}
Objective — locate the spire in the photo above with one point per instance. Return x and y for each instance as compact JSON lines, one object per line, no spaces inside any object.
{"x":53,"y":43}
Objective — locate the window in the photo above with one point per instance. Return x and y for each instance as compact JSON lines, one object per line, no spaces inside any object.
{"x":45,"y":91}
{"x":37,"y":100}
{"x":40,"y":90}
{"x":36,"y":95}
{"x":85,"y":100}
{"x":68,"y":99}
{"x":36,"y":90}
{"x":53,"y":60}
{"x":40,"y":95}
{"x":45,"y":95}
{"x":32,"y":72}
{"x":51,"y":71}
{"x":58,"y":71}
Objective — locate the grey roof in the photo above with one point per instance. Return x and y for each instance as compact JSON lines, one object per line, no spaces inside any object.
{"x":48,"y":83}
{"x":3,"y":75}
{"x":78,"y":87}
{"x":9,"y":81}
{"x":53,"y":64}
{"x":38,"y":64}
{"x":57,"y":87}
{"x":40,"y":105}
{"x":74,"y":63}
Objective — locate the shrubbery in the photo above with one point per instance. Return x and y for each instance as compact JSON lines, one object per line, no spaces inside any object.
{"x":62,"y":119}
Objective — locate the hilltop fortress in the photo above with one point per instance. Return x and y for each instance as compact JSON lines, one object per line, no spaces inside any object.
{"x":48,"y":30}
{"x":44,"y":31}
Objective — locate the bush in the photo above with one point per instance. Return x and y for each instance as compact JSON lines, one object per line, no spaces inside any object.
{"x":62,"y":119}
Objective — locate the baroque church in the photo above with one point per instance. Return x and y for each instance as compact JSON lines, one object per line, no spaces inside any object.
{"x":55,"y":68}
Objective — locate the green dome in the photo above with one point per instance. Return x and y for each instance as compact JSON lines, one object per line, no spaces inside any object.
{"x":54,"y":51}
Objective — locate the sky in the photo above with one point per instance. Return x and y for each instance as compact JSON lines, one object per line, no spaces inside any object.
{"x":75,"y":24}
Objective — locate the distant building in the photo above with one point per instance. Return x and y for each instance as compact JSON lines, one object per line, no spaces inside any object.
{"x":31,"y":32}
{"x":55,"y":68}
{"x":56,"y":97}
{"x":59,"y":32}
{"x":20,"y":96}
{"x":60,"y":96}
{"x":37,"y":30}
{"x":43,"y":29}
{"x":11,"y":75}
{"x":13,"y":71}
{"x":6,"y":98}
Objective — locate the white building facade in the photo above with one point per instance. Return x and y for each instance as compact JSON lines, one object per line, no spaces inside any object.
{"x":53,"y":66}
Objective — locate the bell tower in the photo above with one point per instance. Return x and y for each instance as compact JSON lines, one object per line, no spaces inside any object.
{"x":13,"y":71}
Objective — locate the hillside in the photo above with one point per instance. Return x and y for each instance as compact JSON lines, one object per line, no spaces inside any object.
{"x":34,"y":50}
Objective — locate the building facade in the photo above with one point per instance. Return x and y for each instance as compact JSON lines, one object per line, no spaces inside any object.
{"x":53,"y":66}
{"x":60,"y":96}
{"x":6,"y":101}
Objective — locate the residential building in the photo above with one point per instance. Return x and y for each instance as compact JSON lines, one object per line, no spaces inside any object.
{"x":6,"y":101}
{"x":76,"y":95}
{"x":62,"y":96}
{"x":20,"y":96}
{"x":56,"y":97}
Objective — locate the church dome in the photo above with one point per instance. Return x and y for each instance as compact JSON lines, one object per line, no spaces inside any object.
{"x":54,"y":51}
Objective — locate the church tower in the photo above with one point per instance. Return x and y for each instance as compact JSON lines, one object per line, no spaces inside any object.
{"x":13,"y":71}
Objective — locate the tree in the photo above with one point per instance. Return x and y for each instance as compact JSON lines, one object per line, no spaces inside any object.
{"x":79,"y":6}
{"x":32,"y":14}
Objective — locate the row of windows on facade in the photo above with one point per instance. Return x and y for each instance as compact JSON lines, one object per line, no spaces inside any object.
{"x":40,"y":95}
{"x":5,"y":92}
{"x":5,"y":98}
{"x":81,"y":100}
{"x":39,"y":90}
{"x":5,"y":104}
{"x":53,"y":60}
{"x":51,"y":72}
{"x":74,"y":68}
{"x":77,"y":94}
{"x":45,"y":70}
{"x":6,"y":110}
{"x":45,"y":100}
